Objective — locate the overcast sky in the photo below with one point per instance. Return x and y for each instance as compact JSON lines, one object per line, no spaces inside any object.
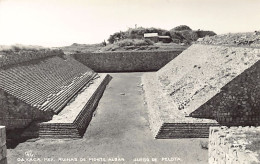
{"x":63,"y":22}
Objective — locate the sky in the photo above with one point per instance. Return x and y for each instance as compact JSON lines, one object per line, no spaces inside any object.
{"x":53,"y":23}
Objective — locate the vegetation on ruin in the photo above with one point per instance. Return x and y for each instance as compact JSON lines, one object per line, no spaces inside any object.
{"x":180,"y":34}
{"x":133,"y":40}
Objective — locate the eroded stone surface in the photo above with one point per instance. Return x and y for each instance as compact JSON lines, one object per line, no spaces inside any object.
{"x":206,"y":84}
{"x":234,"y":145}
{"x":251,"y":39}
{"x":225,"y":79}
{"x":2,"y":145}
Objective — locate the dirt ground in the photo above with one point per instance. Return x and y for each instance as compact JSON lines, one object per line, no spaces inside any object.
{"x":119,"y":131}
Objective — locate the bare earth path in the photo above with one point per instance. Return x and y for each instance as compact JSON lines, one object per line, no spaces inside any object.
{"x":119,"y":131}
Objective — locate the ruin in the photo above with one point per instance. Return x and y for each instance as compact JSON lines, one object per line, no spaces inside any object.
{"x":127,"y":61}
{"x":234,"y":145}
{"x":3,"y":159}
{"x":204,"y":86}
{"x":38,"y":89}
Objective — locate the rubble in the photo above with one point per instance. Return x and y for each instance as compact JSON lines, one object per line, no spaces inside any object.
{"x":251,"y":39}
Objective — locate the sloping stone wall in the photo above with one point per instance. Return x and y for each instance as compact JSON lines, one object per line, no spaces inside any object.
{"x":15,"y":113}
{"x":130,"y":61}
{"x":215,"y":82}
{"x":206,"y":84}
{"x":3,"y":159}
{"x":165,"y":120}
{"x":74,"y":119}
{"x":237,"y":103}
{"x":238,"y":145}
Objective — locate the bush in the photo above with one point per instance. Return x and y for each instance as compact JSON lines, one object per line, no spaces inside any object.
{"x":181,"y":28}
{"x":176,"y":35}
{"x":189,"y":35}
{"x":202,"y":34}
{"x":117,"y":36}
{"x":184,"y":36}
{"x":134,"y":42}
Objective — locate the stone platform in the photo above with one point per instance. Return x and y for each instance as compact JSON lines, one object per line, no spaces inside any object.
{"x":74,"y":119}
{"x":166,"y":121}
{"x":204,"y":86}
{"x":40,"y":93}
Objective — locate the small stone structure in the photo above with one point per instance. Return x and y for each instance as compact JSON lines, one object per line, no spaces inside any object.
{"x":207,"y":85}
{"x":128,"y":61}
{"x":237,"y":145}
{"x":3,"y":159}
{"x":152,"y":36}
{"x":37,"y":85}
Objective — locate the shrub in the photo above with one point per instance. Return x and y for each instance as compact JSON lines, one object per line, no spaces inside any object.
{"x":189,"y":35}
{"x":184,"y":36}
{"x":202,"y":34}
{"x":117,"y":36}
{"x":181,"y":28}
{"x":176,"y":35}
{"x":134,"y":42}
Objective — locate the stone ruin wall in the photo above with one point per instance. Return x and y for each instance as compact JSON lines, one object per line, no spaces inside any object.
{"x":184,"y":130}
{"x":234,"y":145}
{"x":79,"y":124}
{"x":3,"y":159}
{"x":248,"y":39}
{"x":129,"y":61}
{"x":14,"y":113}
{"x":215,"y":82}
{"x":238,"y":101}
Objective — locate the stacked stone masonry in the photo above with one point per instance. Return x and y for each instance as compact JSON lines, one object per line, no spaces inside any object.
{"x":43,"y":83}
{"x":79,"y":119}
{"x":129,"y":61}
{"x":3,"y":159}
{"x":38,"y":87}
{"x":215,"y":82}
{"x":234,"y":145}
{"x":184,"y":130}
{"x":206,"y":83}
{"x":167,"y":122}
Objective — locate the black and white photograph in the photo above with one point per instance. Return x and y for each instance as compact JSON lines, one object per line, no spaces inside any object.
{"x":130,"y":81}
